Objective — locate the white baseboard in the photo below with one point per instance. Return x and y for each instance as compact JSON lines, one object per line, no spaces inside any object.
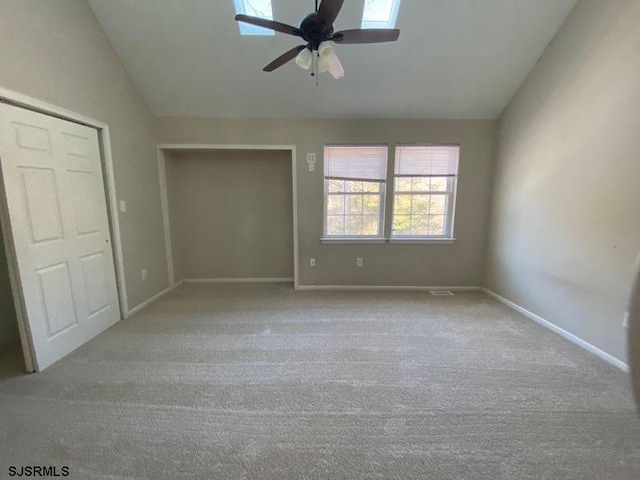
{"x":235,"y":280}
{"x":560,"y":331}
{"x":135,"y":310}
{"x":385,"y":287}
{"x":325,"y":287}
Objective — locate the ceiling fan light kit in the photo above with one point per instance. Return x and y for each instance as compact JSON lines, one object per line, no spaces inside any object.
{"x":328,"y":61}
{"x":305,"y":59}
{"x":317,"y":30}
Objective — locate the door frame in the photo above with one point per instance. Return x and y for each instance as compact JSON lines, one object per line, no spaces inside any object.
{"x":104,"y":136}
{"x":167,"y":147}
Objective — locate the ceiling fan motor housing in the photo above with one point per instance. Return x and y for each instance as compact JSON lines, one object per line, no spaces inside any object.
{"x":315,"y":31}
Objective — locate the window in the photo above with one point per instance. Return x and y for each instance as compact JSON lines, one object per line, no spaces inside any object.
{"x":354,"y":178}
{"x":254,"y":8}
{"x":380,"y":13}
{"x":424,"y":191}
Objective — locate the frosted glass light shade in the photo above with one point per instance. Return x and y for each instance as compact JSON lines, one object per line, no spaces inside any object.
{"x":335,"y":67}
{"x":323,"y":65}
{"x":304,"y":59}
{"x":326,"y":50}
{"x":328,"y":61}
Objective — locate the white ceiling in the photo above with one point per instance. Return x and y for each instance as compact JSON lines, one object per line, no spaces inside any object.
{"x":455,"y":59}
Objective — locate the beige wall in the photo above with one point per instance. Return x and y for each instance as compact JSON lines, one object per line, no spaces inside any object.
{"x":55,"y":51}
{"x":458,"y":264}
{"x":565,"y":227}
{"x":8,"y":325}
{"x":231,"y":214}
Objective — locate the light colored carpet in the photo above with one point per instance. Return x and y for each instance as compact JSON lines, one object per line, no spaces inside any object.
{"x":261,"y":382}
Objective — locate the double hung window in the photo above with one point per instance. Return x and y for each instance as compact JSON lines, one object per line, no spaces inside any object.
{"x":355,"y":181}
{"x":421,"y":201}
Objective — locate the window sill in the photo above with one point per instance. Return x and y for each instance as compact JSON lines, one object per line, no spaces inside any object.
{"x":352,"y":240}
{"x":396,"y":241}
{"x":423,"y":241}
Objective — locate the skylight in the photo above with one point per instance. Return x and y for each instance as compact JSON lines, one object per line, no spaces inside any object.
{"x":254,"y":8}
{"x":380,"y":13}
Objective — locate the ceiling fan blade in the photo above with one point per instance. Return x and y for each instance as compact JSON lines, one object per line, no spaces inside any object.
{"x":329,"y":10}
{"x":270,"y":24}
{"x":368,"y":35}
{"x":284,"y":58}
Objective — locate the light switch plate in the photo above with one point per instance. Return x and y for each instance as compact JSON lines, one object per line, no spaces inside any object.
{"x":311,"y":161}
{"x":123,"y":206}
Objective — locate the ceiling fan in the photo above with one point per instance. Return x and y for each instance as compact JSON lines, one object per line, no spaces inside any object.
{"x":317,"y":31}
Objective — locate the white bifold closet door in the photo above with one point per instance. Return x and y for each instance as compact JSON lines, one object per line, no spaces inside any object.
{"x":58,"y":230}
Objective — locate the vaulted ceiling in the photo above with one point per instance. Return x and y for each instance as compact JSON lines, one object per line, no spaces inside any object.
{"x":454,"y":59}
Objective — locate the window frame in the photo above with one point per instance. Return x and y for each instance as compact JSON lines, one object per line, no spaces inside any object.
{"x":387,"y":201}
{"x":448,"y":194}
{"x":382,"y":195}
{"x":381,"y":209}
{"x":451,"y":195}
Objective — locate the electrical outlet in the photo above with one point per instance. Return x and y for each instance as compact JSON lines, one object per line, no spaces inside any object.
{"x":144,"y":273}
{"x":123,"y":206}
{"x":359,"y":262}
{"x":625,"y":321}
{"x":312,"y":262}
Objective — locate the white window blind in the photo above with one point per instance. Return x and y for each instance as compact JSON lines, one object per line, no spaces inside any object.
{"x":362,"y":162}
{"x":426,"y":161}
